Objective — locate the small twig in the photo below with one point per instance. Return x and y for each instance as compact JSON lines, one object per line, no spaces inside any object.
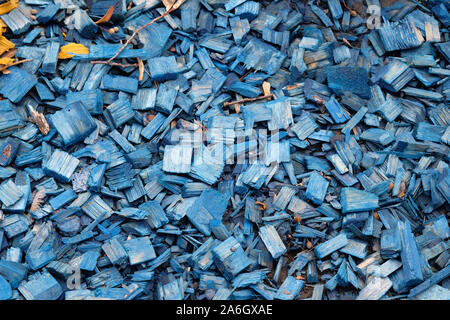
{"x":246,"y":74}
{"x":104,"y":29}
{"x":11,"y":53}
{"x":14,"y":64}
{"x":352,"y":12}
{"x":247,"y":100}
{"x":148,"y":73}
{"x":123,"y":65}
{"x":109,"y":61}
{"x":347,"y":42}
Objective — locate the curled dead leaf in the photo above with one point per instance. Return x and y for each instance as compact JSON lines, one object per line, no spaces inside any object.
{"x":141,"y":69}
{"x":391,"y":186}
{"x":266,"y":88}
{"x":107,"y":16}
{"x":39,"y":119}
{"x":261,"y":205}
{"x":168,"y":4}
{"x":376,"y":215}
{"x":172,"y":4}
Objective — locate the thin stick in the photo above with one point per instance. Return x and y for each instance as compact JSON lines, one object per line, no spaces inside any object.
{"x":14,"y":64}
{"x":12,"y":52}
{"x":134,"y":35}
{"x":246,"y":74}
{"x":123,"y":65}
{"x":248,"y":100}
{"x":352,"y":12}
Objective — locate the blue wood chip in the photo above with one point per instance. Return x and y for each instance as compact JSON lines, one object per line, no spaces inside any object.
{"x":231,"y":150}
{"x":272,"y":240}
{"x":73,"y":123}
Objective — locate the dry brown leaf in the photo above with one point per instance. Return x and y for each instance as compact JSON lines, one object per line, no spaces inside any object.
{"x":261,"y":205}
{"x":178,"y":4}
{"x":391,"y":186}
{"x":172,"y":4}
{"x":141,"y":69}
{"x":168,"y":4}
{"x":107,"y":16}
{"x":39,"y":120}
{"x":347,"y":42}
{"x":266,"y":88}
{"x":38,"y":200}
{"x":376,"y":216}
{"x":7,"y":151}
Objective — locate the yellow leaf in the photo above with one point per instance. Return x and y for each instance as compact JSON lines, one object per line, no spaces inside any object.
{"x":6,"y":61}
{"x":68,"y":51}
{"x":5,"y":45}
{"x":8,"y":6}
{"x":3,"y":27}
{"x":107,"y":16}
